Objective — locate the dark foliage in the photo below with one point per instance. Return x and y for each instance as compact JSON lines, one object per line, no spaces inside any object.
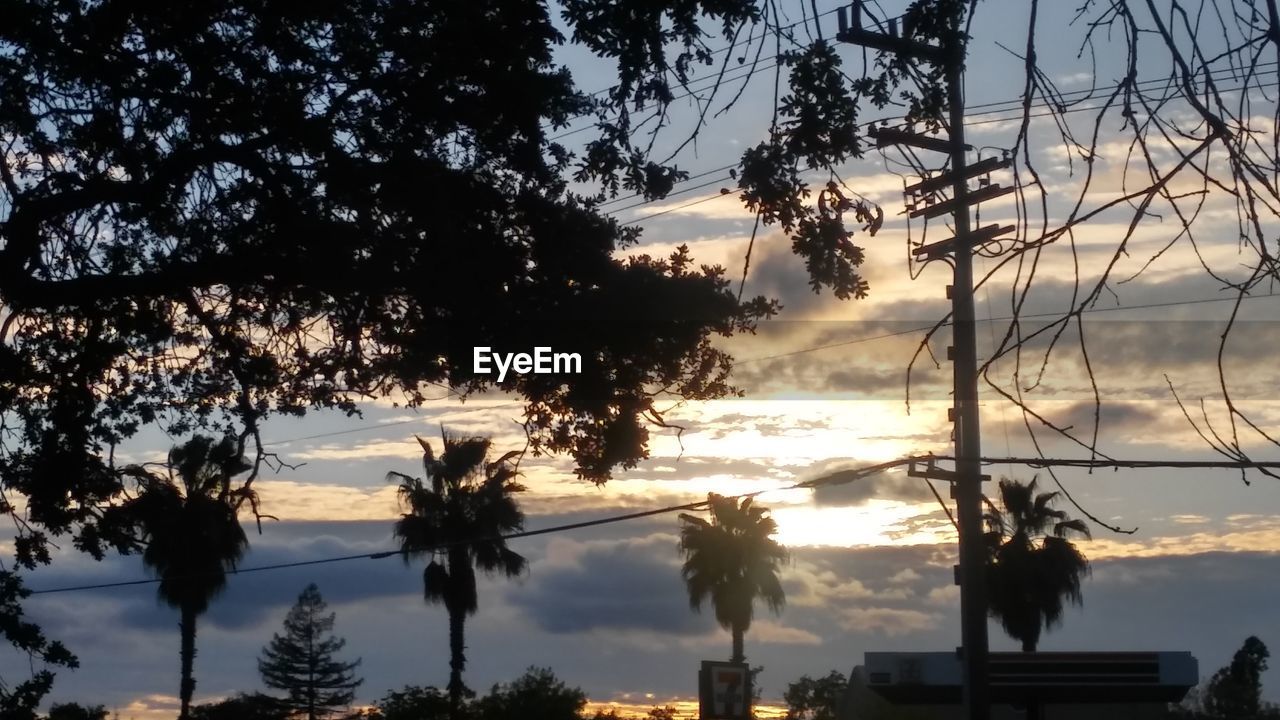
{"x":245,"y":706}
{"x":21,"y":699}
{"x":536,"y":695}
{"x":1235,"y":691}
{"x":211,"y":214}
{"x":413,"y":703}
{"x":816,"y":699}
{"x":75,"y":711}
{"x":301,"y":662}
{"x":216,"y":214}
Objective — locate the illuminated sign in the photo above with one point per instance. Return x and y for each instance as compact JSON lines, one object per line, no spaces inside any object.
{"x":724,"y":691}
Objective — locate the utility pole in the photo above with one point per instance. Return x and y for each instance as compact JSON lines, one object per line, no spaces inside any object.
{"x":967,"y":488}
{"x":966,"y":480}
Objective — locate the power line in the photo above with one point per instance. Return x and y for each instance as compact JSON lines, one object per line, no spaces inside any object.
{"x":840,"y":478}
{"x":682,"y":191}
{"x":1128,"y":464}
{"x":678,"y":208}
{"x":716,"y":80}
{"x":993,"y":108}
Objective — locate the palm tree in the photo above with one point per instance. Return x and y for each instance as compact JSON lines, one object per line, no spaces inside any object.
{"x":733,"y":559}
{"x":456,"y":516}
{"x":190,"y":533}
{"x":1032,"y":565}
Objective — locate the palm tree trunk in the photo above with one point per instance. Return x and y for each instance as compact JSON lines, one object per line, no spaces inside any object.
{"x":457,"y":662}
{"x":187,"y":626}
{"x":1033,"y":704}
{"x":738,"y":655}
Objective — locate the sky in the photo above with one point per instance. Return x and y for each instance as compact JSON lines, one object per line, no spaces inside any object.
{"x":825,"y":389}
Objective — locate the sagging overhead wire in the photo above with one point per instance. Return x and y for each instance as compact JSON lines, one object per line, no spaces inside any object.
{"x":789,"y":353}
{"x":838,"y":478}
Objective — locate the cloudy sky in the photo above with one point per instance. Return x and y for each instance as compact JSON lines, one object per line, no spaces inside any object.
{"x":825,"y":389}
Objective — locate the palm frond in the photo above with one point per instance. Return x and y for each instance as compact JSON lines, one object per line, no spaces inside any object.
{"x":1066,"y":527}
{"x":459,"y":517}
{"x":732,"y":559}
{"x":191,"y":539}
{"x":1032,"y":568}
{"x":435,"y":581}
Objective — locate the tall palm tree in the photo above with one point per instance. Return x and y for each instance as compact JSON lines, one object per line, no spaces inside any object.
{"x":190,"y":533}
{"x":456,"y":515}
{"x":733,"y":559}
{"x":1032,"y":565}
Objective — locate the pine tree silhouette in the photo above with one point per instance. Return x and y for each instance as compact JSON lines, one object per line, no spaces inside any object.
{"x":301,"y":662}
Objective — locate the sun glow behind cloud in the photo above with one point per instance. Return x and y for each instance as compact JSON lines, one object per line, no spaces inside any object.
{"x":791,"y":429}
{"x":876,"y":522}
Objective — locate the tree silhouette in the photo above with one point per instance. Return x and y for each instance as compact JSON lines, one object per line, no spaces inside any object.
{"x":75,"y":711}
{"x":816,"y":699}
{"x":536,"y":695}
{"x":1235,"y":691}
{"x":313,"y":211}
{"x":732,"y":560}
{"x":414,"y":703}
{"x":1032,"y":565}
{"x":301,"y":662}
{"x":244,"y":706}
{"x":455,"y":517}
{"x":189,"y":531}
{"x":225,"y":212}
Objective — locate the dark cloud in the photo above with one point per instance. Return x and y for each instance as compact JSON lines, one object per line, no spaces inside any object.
{"x":1207,"y":604}
{"x":777,"y":272}
{"x":688,"y":467}
{"x":875,"y":565}
{"x":629,"y":585}
{"x":863,"y":380}
{"x":250,"y":598}
{"x":1113,"y":416}
{"x":883,"y":486}
{"x":1051,"y":297}
{"x":869,"y":358}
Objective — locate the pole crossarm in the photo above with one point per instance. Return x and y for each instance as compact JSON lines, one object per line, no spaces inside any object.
{"x":945,"y":180}
{"x":885,"y":137}
{"x":851,"y":31}
{"x":978,"y":237}
{"x":947,"y":207}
